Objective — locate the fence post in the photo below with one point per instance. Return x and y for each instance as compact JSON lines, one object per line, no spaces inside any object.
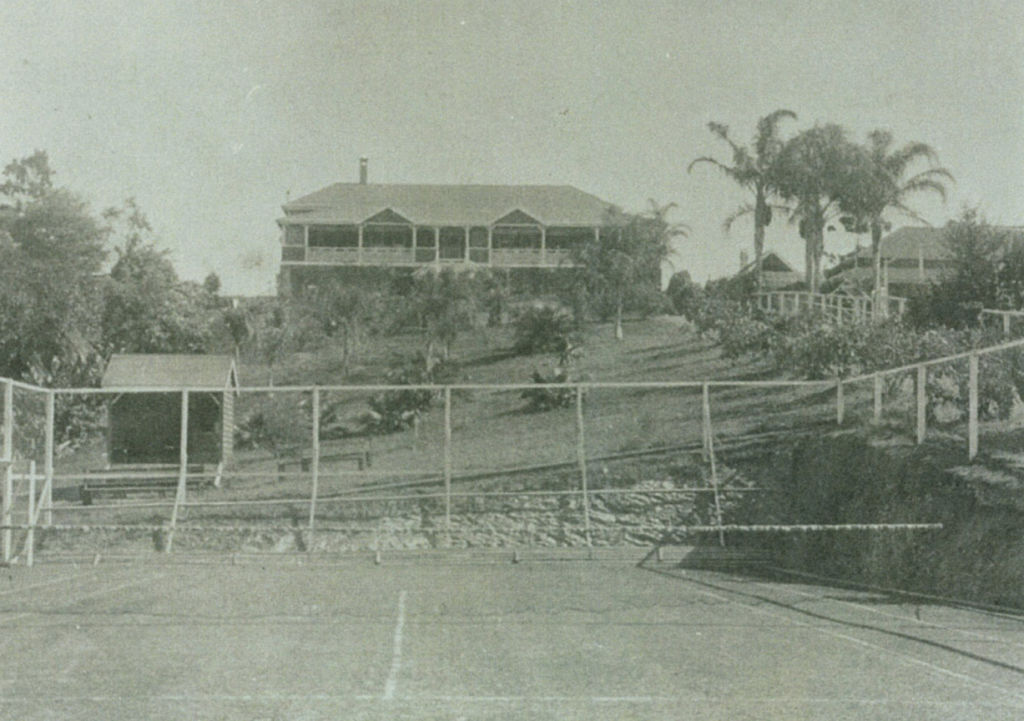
{"x":7,"y":462}
{"x":840,"y":402}
{"x":922,"y":401}
{"x":314,"y":466}
{"x":47,"y":499}
{"x":581,"y":458}
{"x":972,"y":406}
{"x":878,"y":397}
{"x":179,"y":496}
{"x":30,"y":535}
{"x":5,"y":510}
{"x":448,"y":464}
{"x":706,"y":422}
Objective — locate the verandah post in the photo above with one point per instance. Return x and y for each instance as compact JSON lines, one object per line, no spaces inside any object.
{"x":581,"y":459}
{"x":448,"y":464}
{"x":972,"y":406}
{"x":315,"y":466}
{"x":179,"y":497}
{"x":922,"y":401}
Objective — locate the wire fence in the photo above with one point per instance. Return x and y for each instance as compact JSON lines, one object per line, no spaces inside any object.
{"x":475,"y":465}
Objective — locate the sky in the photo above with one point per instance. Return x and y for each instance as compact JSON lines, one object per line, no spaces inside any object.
{"x":213,"y":114}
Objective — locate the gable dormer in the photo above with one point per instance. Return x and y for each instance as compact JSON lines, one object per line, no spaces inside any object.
{"x":517,"y":217}
{"x":388,"y":217}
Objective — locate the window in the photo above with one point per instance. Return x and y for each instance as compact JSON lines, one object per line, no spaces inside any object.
{"x":333,"y":236}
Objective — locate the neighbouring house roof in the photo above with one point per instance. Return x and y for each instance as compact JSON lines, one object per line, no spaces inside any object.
{"x":164,"y":370}
{"x":550,"y":205}
{"x":770,"y":262}
{"x":915,"y":242}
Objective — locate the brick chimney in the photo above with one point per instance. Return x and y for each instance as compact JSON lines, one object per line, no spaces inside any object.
{"x":364,"y":163}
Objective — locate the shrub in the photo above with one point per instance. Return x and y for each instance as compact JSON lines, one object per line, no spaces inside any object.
{"x":546,"y":398}
{"x":277,"y":422}
{"x":393,"y":410}
{"x":544,"y":329}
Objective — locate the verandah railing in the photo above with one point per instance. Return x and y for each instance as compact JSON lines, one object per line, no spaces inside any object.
{"x":840,"y":308}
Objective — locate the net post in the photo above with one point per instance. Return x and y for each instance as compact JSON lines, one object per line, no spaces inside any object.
{"x":972,"y":406}
{"x":30,"y":535}
{"x":448,"y":464}
{"x":179,"y":497}
{"x":47,"y":500}
{"x":581,"y":460}
{"x":922,"y":402}
{"x":878,"y":398}
{"x":840,"y":402}
{"x":314,"y":466}
{"x":706,"y":413}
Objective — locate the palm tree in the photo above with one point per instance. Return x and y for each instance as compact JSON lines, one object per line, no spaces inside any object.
{"x":879,"y":187}
{"x":754,"y":171}
{"x":812,"y":173}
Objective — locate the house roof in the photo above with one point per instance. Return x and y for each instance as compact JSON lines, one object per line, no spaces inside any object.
{"x":917,"y":241}
{"x":448,"y":204}
{"x":164,"y":370}
{"x":771,"y":262}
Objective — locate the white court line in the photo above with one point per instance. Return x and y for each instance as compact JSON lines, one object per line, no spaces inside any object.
{"x":396,"y":655}
{"x":40,"y":584}
{"x":906,"y":658}
{"x":454,"y":699}
{"x":83,"y":597}
{"x":897,"y":616}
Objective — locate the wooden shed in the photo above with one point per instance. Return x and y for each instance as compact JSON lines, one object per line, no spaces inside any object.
{"x":145,"y":427}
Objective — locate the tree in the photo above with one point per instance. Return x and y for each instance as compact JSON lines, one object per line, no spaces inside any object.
{"x":812,"y":174}
{"x":28,"y":179}
{"x":755,"y":171}
{"x":343,"y":312}
{"x":622,"y":268}
{"x":147,"y":309}
{"x":877,"y":187}
{"x":684,"y":294}
{"x":442,"y":303}
{"x":52,"y":250}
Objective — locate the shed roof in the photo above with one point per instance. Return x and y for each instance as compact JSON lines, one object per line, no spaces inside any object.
{"x":448,"y":204}
{"x":165,"y":370}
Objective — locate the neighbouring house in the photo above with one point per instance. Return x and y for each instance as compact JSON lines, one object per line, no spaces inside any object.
{"x":912,"y":256}
{"x":350,"y":230}
{"x":144,"y":427}
{"x":776,"y":272}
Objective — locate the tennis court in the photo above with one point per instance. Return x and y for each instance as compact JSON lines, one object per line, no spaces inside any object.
{"x":474,"y":636}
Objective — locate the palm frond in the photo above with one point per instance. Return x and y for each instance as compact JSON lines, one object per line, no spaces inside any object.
{"x":728,"y":170}
{"x":745,"y":209}
{"x":923,"y":182}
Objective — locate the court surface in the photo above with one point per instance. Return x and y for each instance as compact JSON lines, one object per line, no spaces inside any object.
{"x":450,"y":637}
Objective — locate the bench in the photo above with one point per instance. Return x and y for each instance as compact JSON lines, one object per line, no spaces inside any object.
{"x":362,"y":458}
{"x":134,"y":480}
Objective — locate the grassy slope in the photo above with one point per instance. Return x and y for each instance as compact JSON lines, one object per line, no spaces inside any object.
{"x":494,"y":429}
